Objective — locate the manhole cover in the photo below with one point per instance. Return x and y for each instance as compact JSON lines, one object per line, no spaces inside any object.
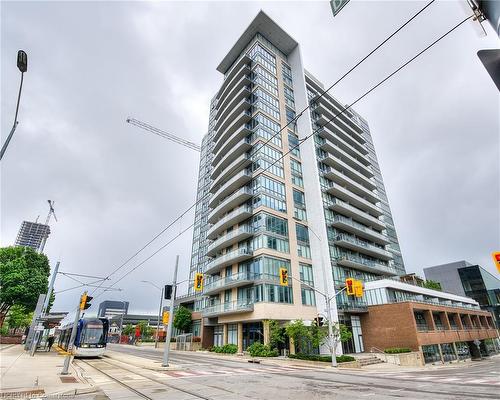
{"x":68,"y":379}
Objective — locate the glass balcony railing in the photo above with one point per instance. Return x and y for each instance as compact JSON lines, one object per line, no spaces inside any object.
{"x":228,"y":308}
{"x":356,"y":211}
{"x":227,"y":203}
{"x":236,"y":235}
{"x":339,"y":219}
{"x":356,"y":261}
{"x":243,"y":211}
{"x":228,"y":259}
{"x":364,"y":245}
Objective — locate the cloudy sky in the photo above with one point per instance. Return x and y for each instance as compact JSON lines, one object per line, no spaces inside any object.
{"x":93,"y":64}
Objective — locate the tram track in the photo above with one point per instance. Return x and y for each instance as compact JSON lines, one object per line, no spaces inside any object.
{"x":157,"y":381}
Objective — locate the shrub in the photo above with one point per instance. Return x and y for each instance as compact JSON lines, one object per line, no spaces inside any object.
{"x":173,"y":340}
{"x":261,"y":350}
{"x":226,"y":349}
{"x":315,"y":357}
{"x":196,"y":339}
{"x":397,"y":350}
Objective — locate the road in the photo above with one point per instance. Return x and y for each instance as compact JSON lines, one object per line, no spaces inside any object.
{"x":206,"y":377}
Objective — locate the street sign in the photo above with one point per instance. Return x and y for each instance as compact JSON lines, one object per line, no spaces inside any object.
{"x":337,"y":5}
{"x":496,"y":259}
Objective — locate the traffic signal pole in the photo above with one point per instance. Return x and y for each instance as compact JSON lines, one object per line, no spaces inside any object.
{"x":159,"y":316}
{"x":67,"y":360}
{"x":166,"y":352}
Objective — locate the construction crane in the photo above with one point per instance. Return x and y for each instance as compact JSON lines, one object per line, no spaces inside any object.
{"x":47,"y":220}
{"x":163,"y":134}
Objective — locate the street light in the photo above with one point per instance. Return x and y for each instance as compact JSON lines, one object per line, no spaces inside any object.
{"x":159,"y":311}
{"x":22,"y":64}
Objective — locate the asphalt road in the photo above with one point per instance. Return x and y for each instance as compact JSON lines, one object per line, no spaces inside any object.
{"x":215,"y":378}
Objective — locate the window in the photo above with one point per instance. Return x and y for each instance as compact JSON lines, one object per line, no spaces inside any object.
{"x":303,"y":248}
{"x":306,"y":274}
{"x":296,"y":169}
{"x":232,"y":334}
{"x":308,"y":298}
{"x":293,"y":144}
{"x":290,"y":115}
{"x":448,"y":352}
{"x":270,"y":223}
{"x":421,"y":322}
{"x":431,"y":353}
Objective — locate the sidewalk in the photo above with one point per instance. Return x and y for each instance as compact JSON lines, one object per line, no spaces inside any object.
{"x":23,"y":376}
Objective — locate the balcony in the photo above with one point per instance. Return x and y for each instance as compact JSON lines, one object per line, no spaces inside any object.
{"x":240,"y":147}
{"x":362,"y":264}
{"x":234,"y":217}
{"x":230,"y":258}
{"x":229,"y":203}
{"x":235,"y":236}
{"x":340,"y":165}
{"x":356,"y":307}
{"x":354,"y":199}
{"x":342,"y":179}
{"x":329,"y":117}
{"x":225,"y":109}
{"x":240,"y":68}
{"x":237,"y":181}
{"x":353,"y":243}
{"x":232,"y":307}
{"x":230,"y":144}
{"x":330,"y":103}
{"x":231,"y":91}
{"x":349,"y":225}
{"x":237,"y":165}
{"x":361,"y":164}
{"x":222,"y":124}
{"x":355,"y":213}
{"x":228,"y":282}
{"x":332,"y":132}
{"x":234,"y":125}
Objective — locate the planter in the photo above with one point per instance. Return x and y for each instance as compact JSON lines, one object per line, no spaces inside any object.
{"x":11,"y":339}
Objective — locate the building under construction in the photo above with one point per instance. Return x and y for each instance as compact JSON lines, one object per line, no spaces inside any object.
{"x":32,"y":234}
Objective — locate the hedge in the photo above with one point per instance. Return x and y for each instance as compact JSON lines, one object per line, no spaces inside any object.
{"x":261,"y":350}
{"x":397,"y":350}
{"x":315,"y":357}
{"x":226,"y":349}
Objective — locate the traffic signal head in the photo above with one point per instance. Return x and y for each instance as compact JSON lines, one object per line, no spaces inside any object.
{"x":85,"y":301}
{"x":321,"y":321}
{"x":496,"y":260}
{"x":166,"y":316}
{"x":358,"y":288}
{"x":168,"y":292}
{"x":283,"y":277}
{"x":198,"y":282}
{"x":349,"y":284}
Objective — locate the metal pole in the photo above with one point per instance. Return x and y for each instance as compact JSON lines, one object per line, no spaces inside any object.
{"x":36,"y":314}
{"x":159,"y":315}
{"x":171,"y":316}
{"x":4,"y":147}
{"x":330,"y":332}
{"x":51,"y":287}
{"x":67,"y":360}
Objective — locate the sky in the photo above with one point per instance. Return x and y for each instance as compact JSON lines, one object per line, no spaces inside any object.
{"x":435,"y":126}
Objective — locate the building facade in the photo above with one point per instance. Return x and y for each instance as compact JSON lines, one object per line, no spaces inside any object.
{"x":466,"y":279}
{"x":112,"y":308}
{"x":279,"y":189}
{"x":32,"y":234}
{"x":441,"y":326}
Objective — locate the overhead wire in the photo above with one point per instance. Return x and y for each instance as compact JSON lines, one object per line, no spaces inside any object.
{"x":293,"y":120}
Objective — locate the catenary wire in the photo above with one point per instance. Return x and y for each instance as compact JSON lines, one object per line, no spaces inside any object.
{"x":406,"y":63}
{"x":293,"y":120}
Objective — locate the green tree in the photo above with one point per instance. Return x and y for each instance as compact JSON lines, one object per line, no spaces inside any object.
{"x":297,"y":331}
{"x":18,"y":318}
{"x":128,"y":329}
{"x":276,"y":334}
{"x":145,"y":329}
{"x":24,"y":275}
{"x":183,"y":319}
{"x":429,"y":284}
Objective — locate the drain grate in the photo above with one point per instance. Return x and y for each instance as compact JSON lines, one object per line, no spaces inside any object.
{"x":68,"y":379}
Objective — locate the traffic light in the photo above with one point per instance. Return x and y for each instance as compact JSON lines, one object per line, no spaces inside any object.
{"x":358,"y":288}
{"x":496,"y":259}
{"x":318,"y":321}
{"x":168,"y":292}
{"x":283,"y":277}
{"x":85,"y":301}
{"x":166,"y":316}
{"x":198,"y":282}
{"x":349,"y":284}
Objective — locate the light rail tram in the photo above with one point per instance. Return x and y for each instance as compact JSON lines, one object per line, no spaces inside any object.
{"x":90,"y":340}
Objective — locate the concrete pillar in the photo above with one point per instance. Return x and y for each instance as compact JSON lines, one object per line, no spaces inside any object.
{"x":455,"y":350}
{"x":267,"y":335}
{"x":445,"y":321}
{"x":468,"y":320}
{"x":458,"y":321}
{"x":292,"y":346}
{"x":224,"y":334}
{"x":430,"y":320}
{"x":240,"y":337}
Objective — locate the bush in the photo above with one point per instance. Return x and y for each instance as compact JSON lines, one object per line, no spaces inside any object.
{"x":196,"y":339}
{"x":173,"y":340}
{"x":315,"y":357}
{"x":397,"y":350}
{"x":226,"y":349}
{"x":261,"y":350}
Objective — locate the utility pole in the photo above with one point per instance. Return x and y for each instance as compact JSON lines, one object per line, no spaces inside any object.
{"x":166,"y":352}
{"x":67,"y":360}
{"x":159,"y":316}
{"x":22,"y":64}
{"x":51,"y":287}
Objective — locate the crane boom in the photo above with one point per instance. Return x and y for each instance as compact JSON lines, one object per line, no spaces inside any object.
{"x":163,"y":134}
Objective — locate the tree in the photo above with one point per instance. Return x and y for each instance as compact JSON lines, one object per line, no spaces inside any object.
{"x":429,"y":284}
{"x":145,"y":329}
{"x":183,"y":319}
{"x":128,"y":329}
{"x":18,"y":318}
{"x":276,"y":334}
{"x":24,"y":275}
{"x":297,"y":331}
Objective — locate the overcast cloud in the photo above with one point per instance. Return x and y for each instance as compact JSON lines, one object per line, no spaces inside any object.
{"x":93,"y":64}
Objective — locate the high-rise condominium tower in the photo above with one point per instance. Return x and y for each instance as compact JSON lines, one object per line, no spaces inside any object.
{"x":319,"y":210}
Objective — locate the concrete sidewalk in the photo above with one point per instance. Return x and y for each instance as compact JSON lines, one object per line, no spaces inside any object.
{"x":23,"y":376}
